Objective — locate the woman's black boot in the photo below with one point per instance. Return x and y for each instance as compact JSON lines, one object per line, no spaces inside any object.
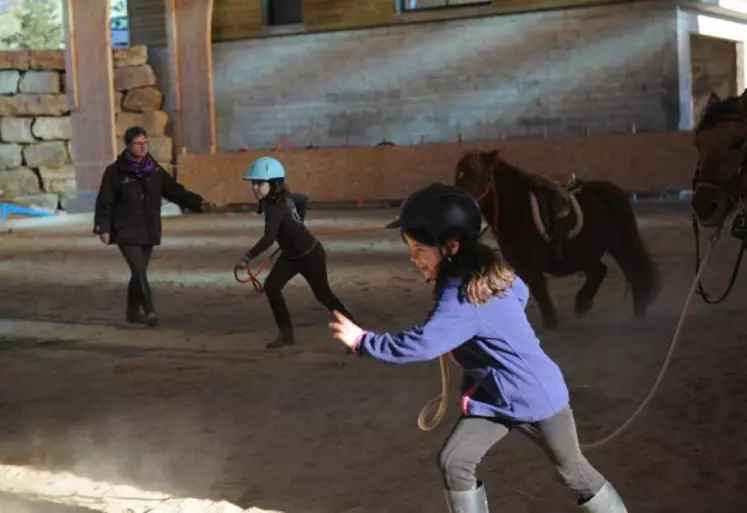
{"x":151,"y":316}
{"x":285,"y":338}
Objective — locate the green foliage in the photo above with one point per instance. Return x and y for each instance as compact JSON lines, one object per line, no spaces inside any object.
{"x":119,"y":7}
{"x":40,"y":26}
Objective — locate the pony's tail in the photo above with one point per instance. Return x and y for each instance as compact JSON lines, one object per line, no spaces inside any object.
{"x":628,"y":249}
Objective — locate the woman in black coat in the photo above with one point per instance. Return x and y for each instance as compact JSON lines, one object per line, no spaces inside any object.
{"x":128,"y":214}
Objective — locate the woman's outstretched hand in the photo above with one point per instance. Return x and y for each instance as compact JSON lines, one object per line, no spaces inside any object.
{"x":345,"y":330}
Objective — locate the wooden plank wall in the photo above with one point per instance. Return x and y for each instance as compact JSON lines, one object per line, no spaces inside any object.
{"x":238,"y":19}
{"x":637,"y":162}
{"x":508,"y":6}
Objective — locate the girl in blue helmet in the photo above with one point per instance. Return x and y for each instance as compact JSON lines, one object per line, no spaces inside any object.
{"x":479,"y":319}
{"x":301,"y":252}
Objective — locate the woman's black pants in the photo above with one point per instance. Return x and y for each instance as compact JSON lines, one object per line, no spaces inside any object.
{"x":138,"y":290}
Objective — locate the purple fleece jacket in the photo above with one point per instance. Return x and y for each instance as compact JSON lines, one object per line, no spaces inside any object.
{"x":505,"y":371}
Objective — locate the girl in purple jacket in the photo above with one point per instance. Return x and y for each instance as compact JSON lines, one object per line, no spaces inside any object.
{"x":509,"y":382}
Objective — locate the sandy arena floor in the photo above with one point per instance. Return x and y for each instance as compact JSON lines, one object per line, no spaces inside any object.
{"x":196,"y":416}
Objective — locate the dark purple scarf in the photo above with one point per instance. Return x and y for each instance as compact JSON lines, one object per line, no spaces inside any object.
{"x":140,"y":169}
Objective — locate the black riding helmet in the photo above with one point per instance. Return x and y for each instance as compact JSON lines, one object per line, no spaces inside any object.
{"x":441,"y":211}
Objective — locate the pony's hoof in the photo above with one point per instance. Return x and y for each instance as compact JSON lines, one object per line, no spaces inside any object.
{"x":641,"y":307}
{"x":550,"y":323}
{"x":583,"y":307}
{"x":639,"y":311}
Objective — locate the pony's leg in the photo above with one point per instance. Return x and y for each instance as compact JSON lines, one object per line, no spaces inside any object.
{"x":538,"y":288}
{"x":640,"y":272}
{"x":585,"y":298}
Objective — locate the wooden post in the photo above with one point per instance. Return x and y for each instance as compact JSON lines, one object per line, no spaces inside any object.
{"x":90,"y":90}
{"x":189,"y":28}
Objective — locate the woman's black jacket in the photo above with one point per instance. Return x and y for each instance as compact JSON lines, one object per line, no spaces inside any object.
{"x":129,"y":209}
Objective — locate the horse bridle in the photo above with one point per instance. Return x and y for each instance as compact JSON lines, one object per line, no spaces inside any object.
{"x":487,"y":188}
{"x":732,"y":186}
{"x":739,"y":226}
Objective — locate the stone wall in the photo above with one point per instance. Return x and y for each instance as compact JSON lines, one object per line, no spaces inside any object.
{"x":35,"y":128}
{"x":138,"y":101}
{"x":36,"y":157}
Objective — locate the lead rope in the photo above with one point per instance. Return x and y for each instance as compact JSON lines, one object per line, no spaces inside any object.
{"x":246,"y":274}
{"x":443,"y":397}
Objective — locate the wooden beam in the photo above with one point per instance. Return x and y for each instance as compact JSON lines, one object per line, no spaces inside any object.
{"x":90,"y":90}
{"x":188,"y":28}
{"x":509,"y":6}
{"x":336,"y":14}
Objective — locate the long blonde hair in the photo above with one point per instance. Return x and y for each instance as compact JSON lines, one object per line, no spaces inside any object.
{"x":486,"y":275}
{"x":483,"y":273}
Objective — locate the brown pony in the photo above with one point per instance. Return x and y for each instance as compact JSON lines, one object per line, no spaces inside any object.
{"x":598,"y":218}
{"x":721,"y":141}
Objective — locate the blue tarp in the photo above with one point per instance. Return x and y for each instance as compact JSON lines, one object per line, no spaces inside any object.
{"x":7,"y":209}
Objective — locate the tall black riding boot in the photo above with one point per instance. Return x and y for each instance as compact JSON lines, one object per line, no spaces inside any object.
{"x":146,"y":297}
{"x":471,"y":501}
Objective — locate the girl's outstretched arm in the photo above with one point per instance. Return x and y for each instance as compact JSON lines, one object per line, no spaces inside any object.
{"x":451,"y":323}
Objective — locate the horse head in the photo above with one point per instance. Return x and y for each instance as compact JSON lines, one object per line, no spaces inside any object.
{"x":474,"y":172}
{"x":721,"y":141}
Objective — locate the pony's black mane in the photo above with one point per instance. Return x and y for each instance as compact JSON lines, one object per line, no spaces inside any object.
{"x":716,"y":112}
{"x":522,"y":176}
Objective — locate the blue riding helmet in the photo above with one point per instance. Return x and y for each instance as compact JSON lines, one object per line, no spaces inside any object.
{"x":264,"y":169}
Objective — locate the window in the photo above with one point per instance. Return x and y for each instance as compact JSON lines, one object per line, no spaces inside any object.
{"x":283,"y":12}
{"x":120,"y":35}
{"x":118,"y":23}
{"x":421,"y":5}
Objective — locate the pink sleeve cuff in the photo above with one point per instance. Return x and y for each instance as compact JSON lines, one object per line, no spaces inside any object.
{"x":354,"y":347}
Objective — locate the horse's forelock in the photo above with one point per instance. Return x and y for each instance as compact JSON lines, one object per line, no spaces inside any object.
{"x":469,"y":162}
{"x":478,"y":162}
{"x":497,"y":161}
{"x":717,"y":111}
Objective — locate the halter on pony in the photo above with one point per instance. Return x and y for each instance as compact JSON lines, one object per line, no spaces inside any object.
{"x":738,"y":227}
{"x":478,"y":167}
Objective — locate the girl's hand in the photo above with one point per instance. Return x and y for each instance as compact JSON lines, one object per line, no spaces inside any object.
{"x":243,"y":263}
{"x":345,"y":330}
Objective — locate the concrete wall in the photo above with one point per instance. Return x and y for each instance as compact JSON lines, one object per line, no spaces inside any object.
{"x":601,"y":69}
{"x":639,"y":163}
{"x":714,"y":69}
{"x":724,"y":26}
